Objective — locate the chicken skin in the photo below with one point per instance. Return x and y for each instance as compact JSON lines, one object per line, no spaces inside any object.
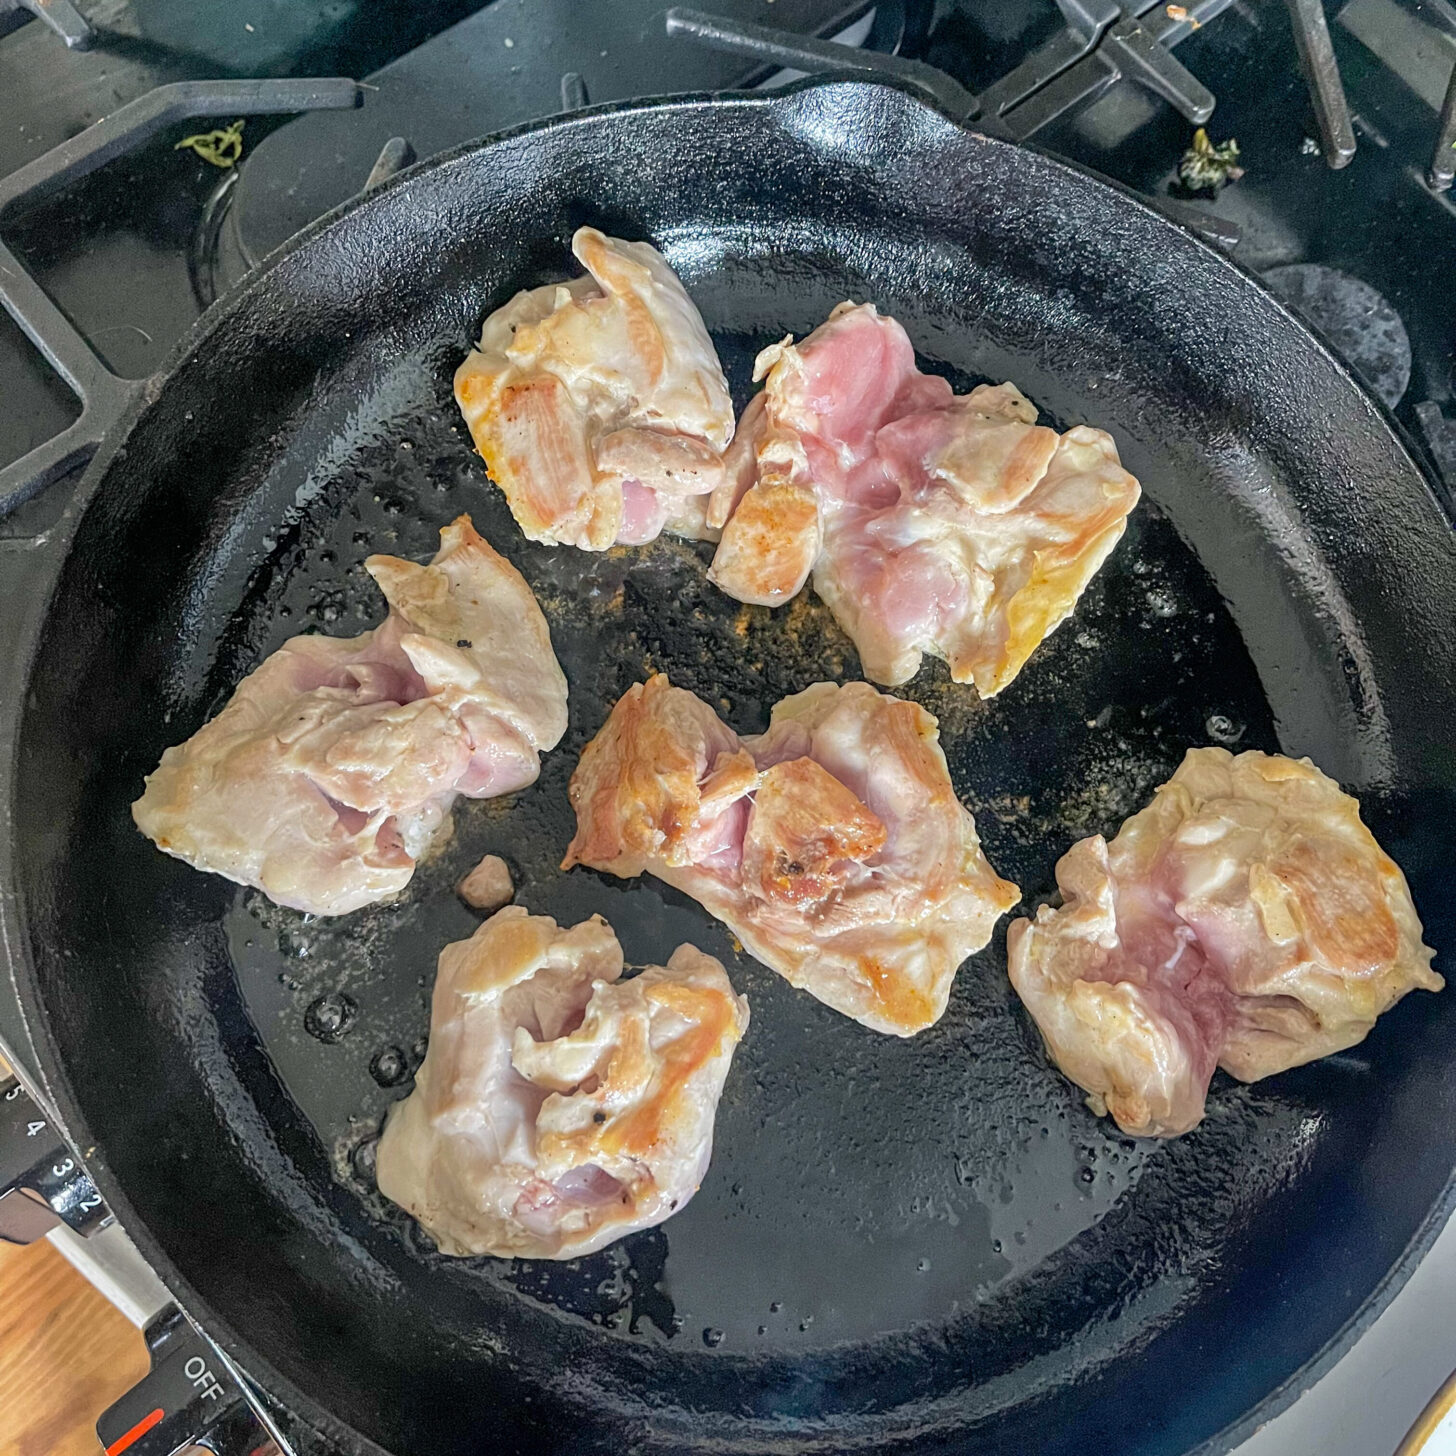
{"x":599,"y":405}
{"x":1246,"y":919}
{"x":559,"y":1107}
{"x":930,"y":521}
{"x":832,"y":845}
{"x":333,"y":764}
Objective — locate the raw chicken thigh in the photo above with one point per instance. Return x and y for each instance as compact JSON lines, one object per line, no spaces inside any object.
{"x":833,"y":845}
{"x":599,"y":405}
{"x":932,"y":522}
{"x":559,"y":1107}
{"x":1245,"y":919}
{"x":326,"y":775}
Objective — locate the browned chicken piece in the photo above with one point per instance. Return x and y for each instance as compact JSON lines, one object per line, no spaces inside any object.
{"x":833,"y":845}
{"x":488,"y":886}
{"x":1246,"y":919}
{"x":599,"y":405}
{"x":560,"y":1106}
{"x":930,"y":521}
{"x":334,"y":763}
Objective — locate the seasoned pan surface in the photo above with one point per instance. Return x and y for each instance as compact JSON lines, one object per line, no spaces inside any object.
{"x":927,"y":1244}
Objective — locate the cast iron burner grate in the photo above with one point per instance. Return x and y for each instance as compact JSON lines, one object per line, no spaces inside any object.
{"x":104,"y":395}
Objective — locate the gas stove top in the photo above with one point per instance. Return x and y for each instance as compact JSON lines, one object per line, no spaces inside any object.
{"x":111,"y":246}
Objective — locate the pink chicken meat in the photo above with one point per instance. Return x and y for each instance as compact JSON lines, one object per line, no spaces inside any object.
{"x":833,"y":845}
{"x":599,"y":405}
{"x":1246,"y":919}
{"x":559,"y":1106}
{"x":333,"y":764}
{"x":930,"y":521}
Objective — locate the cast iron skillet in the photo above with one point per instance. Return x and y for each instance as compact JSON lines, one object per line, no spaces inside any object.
{"x":911,"y":1246}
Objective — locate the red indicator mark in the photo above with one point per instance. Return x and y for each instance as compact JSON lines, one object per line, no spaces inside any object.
{"x":136,"y":1433}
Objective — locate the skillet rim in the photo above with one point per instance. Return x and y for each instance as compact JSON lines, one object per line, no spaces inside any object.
{"x":15,"y":948}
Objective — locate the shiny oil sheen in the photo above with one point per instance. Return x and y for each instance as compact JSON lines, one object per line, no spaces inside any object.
{"x":925,"y":1245}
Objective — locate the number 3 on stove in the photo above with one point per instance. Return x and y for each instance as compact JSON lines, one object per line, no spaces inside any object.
{"x":67,"y":1165}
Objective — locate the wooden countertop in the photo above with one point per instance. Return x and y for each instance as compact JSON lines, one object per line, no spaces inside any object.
{"x":65,"y":1354}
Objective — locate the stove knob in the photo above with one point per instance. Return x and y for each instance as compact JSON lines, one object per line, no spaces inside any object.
{"x":42,"y":1182}
{"x":187,"y":1401}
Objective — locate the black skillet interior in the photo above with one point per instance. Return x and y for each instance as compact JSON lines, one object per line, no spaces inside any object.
{"x":925,"y":1244}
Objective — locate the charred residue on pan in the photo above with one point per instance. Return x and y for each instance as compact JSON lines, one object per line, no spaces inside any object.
{"x":973,"y":1167}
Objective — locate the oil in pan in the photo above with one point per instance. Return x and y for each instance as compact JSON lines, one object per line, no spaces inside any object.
{"x":861,"y":1186}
